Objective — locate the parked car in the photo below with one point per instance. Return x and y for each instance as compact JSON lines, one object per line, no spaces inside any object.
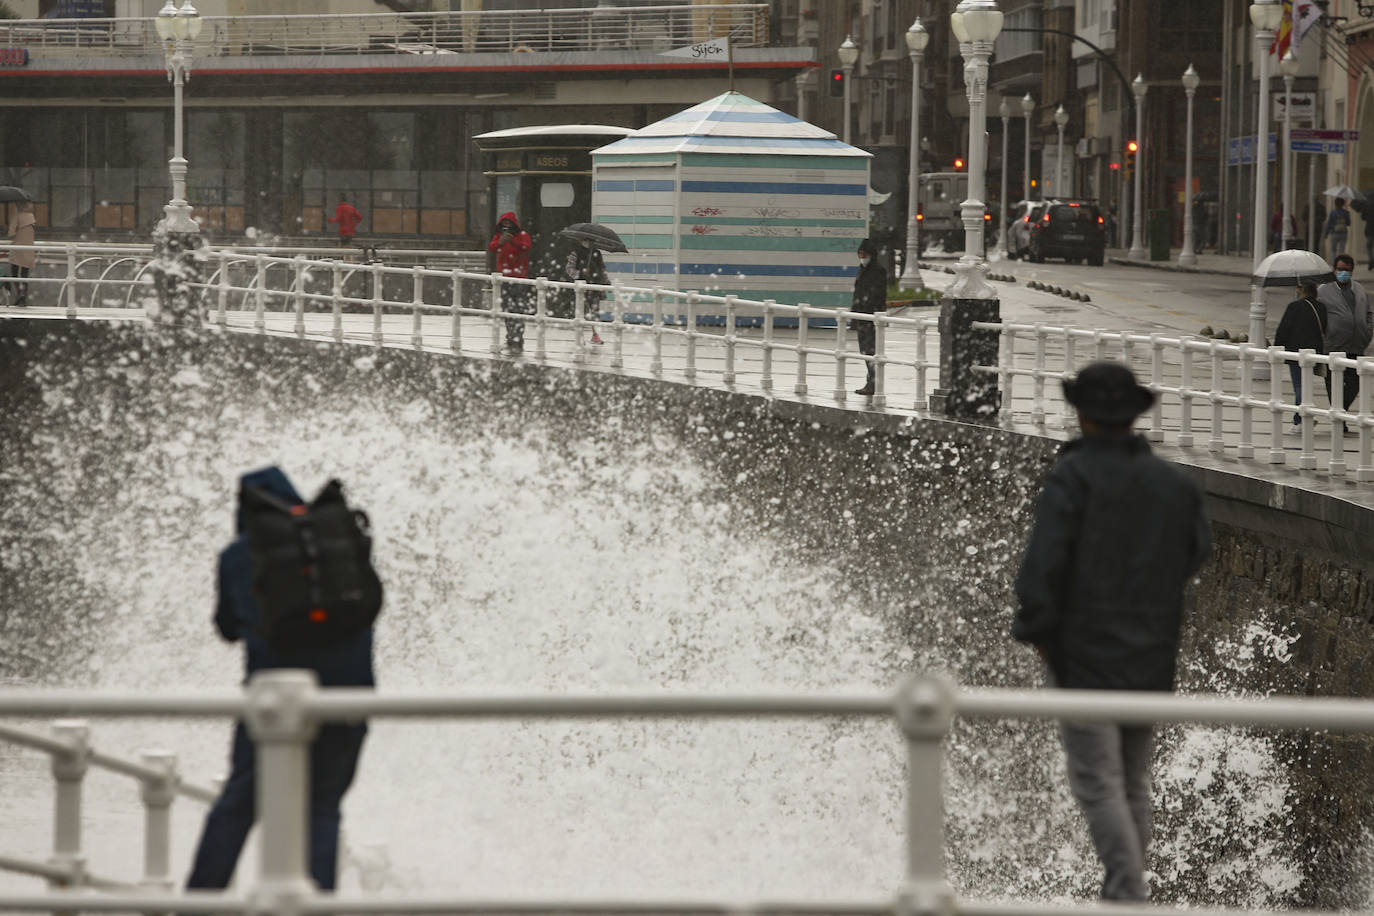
{"x":1024,"y":212}
{"x":1070,"y":229}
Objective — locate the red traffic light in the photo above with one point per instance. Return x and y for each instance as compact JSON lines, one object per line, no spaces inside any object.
{"x":958,"y":165}
{"x":1132,"y":147}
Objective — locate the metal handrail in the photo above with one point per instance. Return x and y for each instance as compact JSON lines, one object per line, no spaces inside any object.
{"x":425,"y":33}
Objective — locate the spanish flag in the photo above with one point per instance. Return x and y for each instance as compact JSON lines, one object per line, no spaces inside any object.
{"x":1284,"y":36}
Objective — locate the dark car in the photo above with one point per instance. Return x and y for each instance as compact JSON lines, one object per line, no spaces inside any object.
{"x":1070,"y":229}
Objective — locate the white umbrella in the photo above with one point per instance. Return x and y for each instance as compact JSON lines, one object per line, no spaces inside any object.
{"x":1291,"y":267}
{"x":1342,"y":190}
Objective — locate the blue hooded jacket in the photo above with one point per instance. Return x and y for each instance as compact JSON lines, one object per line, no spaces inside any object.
{"x":348,"y":664}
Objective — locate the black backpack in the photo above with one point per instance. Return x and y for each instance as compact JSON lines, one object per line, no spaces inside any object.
{"x":312,"y":567}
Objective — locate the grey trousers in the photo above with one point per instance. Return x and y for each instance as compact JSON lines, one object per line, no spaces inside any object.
{"x":1109,"y":775}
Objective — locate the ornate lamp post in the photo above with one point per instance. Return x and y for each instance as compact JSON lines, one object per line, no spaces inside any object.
{"x":1005,"y":111}
{"x":178,"y":28}
{"x":1289,"y":68}
{"x":1265,"y":15}
{"x":1027,"y":109}
{"x":1061,"y":118}
{"x":849,"y":55}
{"x":916,"y":40}
{"x":1188,"y":257}
{"x":1137,"y":252}
{"x":976,"y":24}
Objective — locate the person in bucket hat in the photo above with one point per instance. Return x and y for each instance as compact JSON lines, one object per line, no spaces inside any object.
{"x":1118,"y":534}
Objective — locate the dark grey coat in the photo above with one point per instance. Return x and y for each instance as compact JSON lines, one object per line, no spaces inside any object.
{"x":1118,"y":533}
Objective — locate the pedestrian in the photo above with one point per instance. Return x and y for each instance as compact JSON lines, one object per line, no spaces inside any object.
{"x":1303,"y":327}
{"x":21,"y":232}
{"x":512,"y":245}
{"x":585,"y":263}
{"x":1118,"y":533}
{"x":1364,"y":206}
{"x":348,"y":218}
{"x":334,"y":752}
{"x":1349,"y":324}
{"x":1276,"y":239}
{"x":870,"y":296}
{"x":1337,"y":227}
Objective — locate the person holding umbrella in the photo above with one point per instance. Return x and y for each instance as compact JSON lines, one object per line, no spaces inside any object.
{"x":585,"y":263}
{"x":1303,"y":327}
{"x":21,"y":232}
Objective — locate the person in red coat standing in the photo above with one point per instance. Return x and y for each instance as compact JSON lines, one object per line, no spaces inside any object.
{"x":511,"y":245}
{"x":348,"y":218}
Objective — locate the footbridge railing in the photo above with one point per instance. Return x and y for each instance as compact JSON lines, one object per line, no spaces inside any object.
{"x":282,"y":709}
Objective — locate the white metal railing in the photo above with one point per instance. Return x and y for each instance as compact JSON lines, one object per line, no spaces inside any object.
{"x":69,"y":748}
{"x":603,"y":28}
{"x":282,"y":709}
{"x":1236,"y":397}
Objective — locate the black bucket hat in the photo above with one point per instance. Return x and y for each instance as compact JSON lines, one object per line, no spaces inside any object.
{"x":1108,"y":393}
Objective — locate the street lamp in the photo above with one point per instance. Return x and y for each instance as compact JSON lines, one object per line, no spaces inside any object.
{"x":1188,"y":257}
{"x":976,"y":24}
{"x":916,"y":40}
{"x":1061,"y":118}
{"x":1265,"y":15}
{"x":1027,"y":109}
{"x":849,"y":54}
{"x":1289,"y":68}
{"x":1005,"y":111}
{"x":1137,"y":252}
{"x":178,"y":27}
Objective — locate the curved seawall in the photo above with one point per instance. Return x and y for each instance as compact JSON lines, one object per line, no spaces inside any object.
{"x":550,"y":529}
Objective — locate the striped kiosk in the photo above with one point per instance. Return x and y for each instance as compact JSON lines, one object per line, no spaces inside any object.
{"x":733,"y":196}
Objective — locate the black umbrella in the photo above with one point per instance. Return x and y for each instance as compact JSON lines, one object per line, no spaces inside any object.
{"x":600,"y":236}
{"x":10,"y":194}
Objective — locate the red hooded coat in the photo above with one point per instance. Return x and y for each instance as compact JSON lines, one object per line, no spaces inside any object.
{"x":512,"y":258}
{"x":347,"y":216}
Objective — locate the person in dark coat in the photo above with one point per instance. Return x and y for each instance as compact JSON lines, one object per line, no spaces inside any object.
{"x":585,"y":263}
{"x":1118,"y":533}
{"x":1303,"y":327}
{"x":870,"y":295}
{"x":511,"y":245}
{"x":1349,"y":325}
{"x":334,"y":753}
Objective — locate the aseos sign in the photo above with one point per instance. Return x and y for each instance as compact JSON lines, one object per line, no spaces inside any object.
{"x":14,"y":57}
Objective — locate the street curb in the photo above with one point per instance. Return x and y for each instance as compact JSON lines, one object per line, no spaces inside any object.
{"x":1170,"y":265}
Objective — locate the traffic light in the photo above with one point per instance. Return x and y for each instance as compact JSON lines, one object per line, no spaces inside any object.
{"x":836,"y":84}
{"x":958,"y":165}
{"x":1132,"y":148}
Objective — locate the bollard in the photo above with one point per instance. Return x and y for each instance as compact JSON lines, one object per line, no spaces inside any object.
{"x":282,"y":730}
{"x":158,"y":795}
{"x":925,"y":711}
{"x":69,"y":770}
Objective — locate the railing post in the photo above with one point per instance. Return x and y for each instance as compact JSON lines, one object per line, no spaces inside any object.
{"x":337,"y":302}
{"x":656,"y":360}
{"x":1337,"y":467}
{"x":1156,"y":430}
{"x":1365,"y":471}
{"x":541,"y":311}
{"x":455,"y":342}
{"x":1185,"y":395}
{"x":375,"y":272}
{"x":1215,"y":443}
{"x":728,"y":376}
{"x":766,"y":379}
{"x":1277,"y":454}
{"x":617,"y":327}
{"x":1038,"y":389}
{"x":300,"y":295}
{"x":282,"y":729}
{"x":925,"y":711}
{"x":690,"y":370}
{"x":222,"y":308}
{"x":578,"y":319}
{"x":803,"y":326}
{"x":71,"y":281}
{"x":879,"y":399}
{"x":260,"y":294}
{"x":495,"y":314}
{"x":69,"y":770}
{"x":417,"y":301}
{"x":158,"y":795}
{"x":922,"y":401}
{"x":839,"y":392}
{"x":1246,"y":449}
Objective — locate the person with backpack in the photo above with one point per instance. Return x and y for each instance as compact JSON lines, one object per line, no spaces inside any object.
{"x":1337,"y":227}
{"x":296,"y":585}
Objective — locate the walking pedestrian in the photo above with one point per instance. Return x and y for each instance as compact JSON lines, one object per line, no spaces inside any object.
{"x":585,"y":263}
{"x":348,"y":218}
{"x":1118,"y":533}
{"x":512,"y":245}
{"x":870,"y":296}
{"x":1349,"y":324}
{"x":1337,"y":227}
{"x":21,"y":232}
{"x":334,"y":752}
{"x":1303,"y":327}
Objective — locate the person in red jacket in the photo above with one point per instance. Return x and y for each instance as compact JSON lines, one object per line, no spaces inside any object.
{"x":348,"y":219}
{"x":511,"y":245}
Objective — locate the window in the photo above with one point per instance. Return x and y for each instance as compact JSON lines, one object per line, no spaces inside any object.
{"x":1193,"y":26}
{"x":1014,"y":44}
{"x":555,"y":194}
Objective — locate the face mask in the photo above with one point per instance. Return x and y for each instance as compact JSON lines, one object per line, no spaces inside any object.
{"x":1342,"y":276}
{"x":863,"y":262}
